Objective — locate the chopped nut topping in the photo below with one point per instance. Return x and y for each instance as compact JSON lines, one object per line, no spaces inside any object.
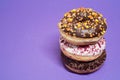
{"x":69,"y":19}
{"x":90,"y":23}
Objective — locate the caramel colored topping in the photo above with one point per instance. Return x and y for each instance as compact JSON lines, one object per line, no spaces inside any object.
{"x":102,"y":23}
{"x":78,"y":25}
{"x":100,"y":15}
{"x":100,"y":28}
{"x":75,"y":27}
{"x":102,"y":32}
{"x":94,"y":14}
{"x":87,"y":26}
{"x":105,"y":21}
{"x":90,"y":17}
{"x":81,"y":9}
{"x":59,"y":24}
{"x":74,"y":10}
{"x":73,"y":15}
{"x":91,"y":35}
{"x":67,"y":15}
{"x":83,"y":22}
{"x":92,"y":27}
{"x":68,"y":29}
{"x":69,"y":19}
{"x":96,"y":20}
{"x":82,"y":28}
{"x":65,"y":25}
{"x":80,"y":18}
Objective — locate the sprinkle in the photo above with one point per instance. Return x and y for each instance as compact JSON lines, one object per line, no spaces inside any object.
{"x":75,"y":27}
{"x":102,"y":32}
{"x":74,"y":15}
{"x":96,"y":20}
{"x":100,"y":15}
{"x":100,"y":28}
{"x":81,"y":18}
{"x":65,"y":25}
{"x":67,"y":14}
{"x":94,"y":14}
{"x":90,"y":9}
{"x":64,"y":21}
{"x":69,"y":19}
{"x":59,"y":24}
{"x":68,"y":29}
{"x":91,"y":35}
{"x":82,"y":9}
{"x":74,"y":10}
{"x":85,"y":23}
{"x":82,"y":28}
{"x":92,"y":27}
{"x":105,"y":21}
{"x":102,"y":23}
{"x":87,"y":26}
{"x":90,"y":17}
{"x":78,"y":25}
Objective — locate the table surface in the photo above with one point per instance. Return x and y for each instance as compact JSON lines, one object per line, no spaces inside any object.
{"x":29,"y":39}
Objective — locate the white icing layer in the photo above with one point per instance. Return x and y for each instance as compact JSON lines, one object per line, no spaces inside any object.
{"x":89,"y":50}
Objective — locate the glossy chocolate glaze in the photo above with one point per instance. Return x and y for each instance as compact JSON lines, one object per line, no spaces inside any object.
{"x":83,"y":23}
{"x":84,"y":66}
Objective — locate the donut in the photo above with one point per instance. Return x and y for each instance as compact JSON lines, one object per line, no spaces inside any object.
{"x":82,"y":26}
{"x":83,"y":53}
{"x":83,"y":67}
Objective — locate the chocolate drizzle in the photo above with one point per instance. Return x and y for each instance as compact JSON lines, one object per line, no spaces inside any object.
{"x":84,"y":66}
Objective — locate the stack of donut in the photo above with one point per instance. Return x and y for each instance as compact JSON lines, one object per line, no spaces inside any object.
{"x":81,"y":40}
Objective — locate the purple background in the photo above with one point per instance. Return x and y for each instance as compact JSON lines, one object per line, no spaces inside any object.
{"x":29,"y":48}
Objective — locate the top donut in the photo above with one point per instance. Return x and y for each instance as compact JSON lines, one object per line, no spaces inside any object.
{"x":83,"y":23}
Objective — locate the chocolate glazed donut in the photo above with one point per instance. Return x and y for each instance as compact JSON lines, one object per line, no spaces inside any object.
{"x":83,"y":67}
{"x":82,"y":24}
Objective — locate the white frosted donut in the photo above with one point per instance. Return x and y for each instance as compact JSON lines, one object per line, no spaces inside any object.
{"x":88,"y":50}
